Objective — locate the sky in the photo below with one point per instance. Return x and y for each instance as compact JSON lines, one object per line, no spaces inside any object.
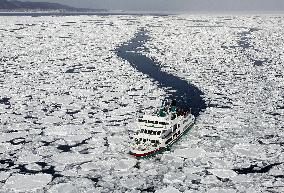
{"x":177,"y":5}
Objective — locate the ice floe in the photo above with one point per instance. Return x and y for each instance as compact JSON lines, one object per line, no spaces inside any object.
{"x":63,"y":188}
{"x":28,"y":157}
{"x":221,"y":190}
{"x":223,"y":173}
{"x":190,"y":153}
{"x":4,"y":176}
{"x":21,"y":182}
{"x":169,"y":189}
{"x":71,"y":158}
{"x":172,"y":177}
{"x":125,"y":164}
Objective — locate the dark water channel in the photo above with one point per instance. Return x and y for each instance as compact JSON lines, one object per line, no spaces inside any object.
{"x":245,"y":43}
{"x":186,"y":94}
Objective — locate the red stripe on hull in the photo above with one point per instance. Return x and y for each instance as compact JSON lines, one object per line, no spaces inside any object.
{"x":145,"y":154}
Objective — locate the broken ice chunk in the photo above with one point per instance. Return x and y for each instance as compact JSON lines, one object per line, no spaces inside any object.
{"x":21,"y":182}
{"x":172,"y":177}
{"x":223,"y":173}
{"x":63,"y":187}
{"x":221,"y":190}
{"x":169,"y":189}
{"x":249,"y":150}
{"x":71,"y":158}
{"x":4,"y":176}
{"x":28,"y":157}
{"x":190,"y":153}
{"x":125,"y":164}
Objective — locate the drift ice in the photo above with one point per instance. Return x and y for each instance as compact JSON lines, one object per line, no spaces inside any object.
{"x":161,"y":130}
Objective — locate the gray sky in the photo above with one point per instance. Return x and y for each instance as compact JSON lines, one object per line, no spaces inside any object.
{"x":178,"y":5}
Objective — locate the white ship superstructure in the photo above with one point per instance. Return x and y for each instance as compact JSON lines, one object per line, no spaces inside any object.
{"x":159,"y":131}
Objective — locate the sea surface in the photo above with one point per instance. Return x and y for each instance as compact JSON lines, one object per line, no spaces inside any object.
{"x":72,"y":87}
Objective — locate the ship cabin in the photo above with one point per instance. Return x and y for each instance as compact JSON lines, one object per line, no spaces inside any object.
{"x":151,"y":129}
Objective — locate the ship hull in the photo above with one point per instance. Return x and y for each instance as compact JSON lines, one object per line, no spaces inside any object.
{"x":147,"y":154}
{"x":179,"y":136}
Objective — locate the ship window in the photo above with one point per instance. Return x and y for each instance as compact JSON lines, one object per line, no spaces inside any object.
{"x":149,"y":132}
{"x":168,"y":140}
{"x":142,"y":130}
{"x":156,"y":122}
{"x":154,"y":132}
{"x":144,"y":140}
{"x":140,"y":139}
{"x":150,"y":121}
{"x":152,"y":141}
{"x":175,"y":127}
{"x":145,"y":131}
{"x":159,"y":133}
{"x":162,"y":123}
